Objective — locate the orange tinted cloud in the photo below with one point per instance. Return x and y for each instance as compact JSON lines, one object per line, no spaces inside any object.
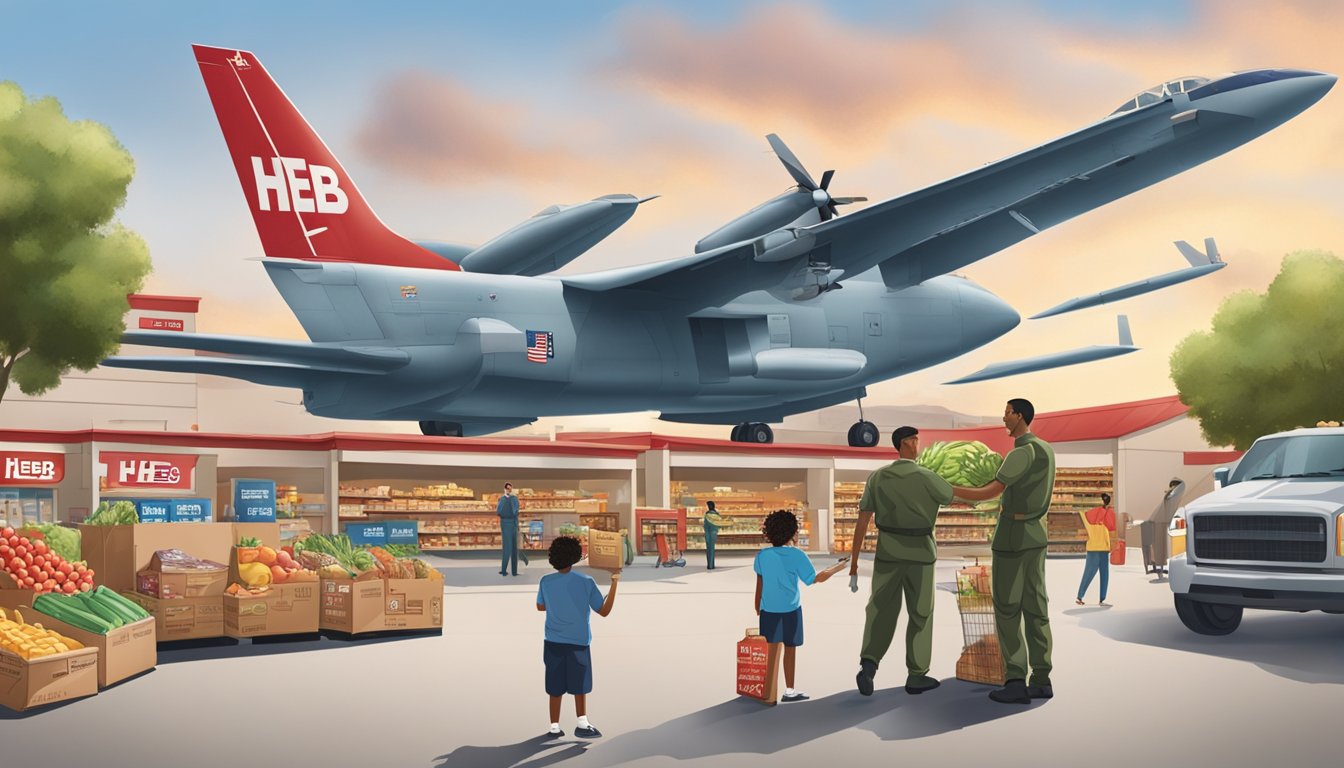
{"x":434,"y":129}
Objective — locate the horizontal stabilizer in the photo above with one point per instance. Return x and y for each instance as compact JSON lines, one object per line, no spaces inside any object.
{"x":1055,"y":360}
{"x":271,"y":373}
{"x":342,"y":359}
{"x":1200,"y":265}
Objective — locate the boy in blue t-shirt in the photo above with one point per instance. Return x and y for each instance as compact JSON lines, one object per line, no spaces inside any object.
{"x":566,"y":597}
{"x":779,"y":568}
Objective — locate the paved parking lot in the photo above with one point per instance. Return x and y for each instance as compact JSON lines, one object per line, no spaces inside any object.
{"x":1133,"y":687}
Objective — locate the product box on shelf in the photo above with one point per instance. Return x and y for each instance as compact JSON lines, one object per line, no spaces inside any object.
{"x":189,"y":511}
{"x":183,"y":618}
{"x":284,"y":609}
{"x":173,"y":573}
{"x":26,"y":683}
{"x":375,"y":605}
{"x":116,"y":553}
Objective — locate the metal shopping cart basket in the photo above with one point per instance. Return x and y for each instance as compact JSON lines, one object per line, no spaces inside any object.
{"x":981,"y":660}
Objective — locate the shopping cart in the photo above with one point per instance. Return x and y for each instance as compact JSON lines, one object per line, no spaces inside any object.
{"x":668,"y":556}
{"x":981,"y":659}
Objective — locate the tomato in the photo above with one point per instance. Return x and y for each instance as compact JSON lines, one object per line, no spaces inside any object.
{"x":48,"y":584}
{"x":23,"y":541}
{"x":85,"y":587}
{"x":27,"y":581}
{"x":67,"y":568}
{"x":38,"y":589}
{"x":6,"y":533}
{"x":39,"y":575}
{"x":13,"y":540}
{"x":88,"y":577}
{"x":69,"y":588}
{"x":27,"y":559}
{"x":40,"y":547}
{"x":58,"y":577}
{"x":15,"y":564}
{"x":21,"y":573}
{"x":6,"y":551}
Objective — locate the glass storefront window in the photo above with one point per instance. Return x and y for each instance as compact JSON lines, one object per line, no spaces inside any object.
{"x":28,"y":505}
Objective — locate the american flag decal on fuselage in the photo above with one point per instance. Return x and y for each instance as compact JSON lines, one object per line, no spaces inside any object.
{"x":540,"y":346}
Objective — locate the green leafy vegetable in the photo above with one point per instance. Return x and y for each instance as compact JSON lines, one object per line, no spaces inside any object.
{"x":339,"y":547}
{"x":967,"y":463}
{"x":116,"y":513}
{"x":63,"y":541}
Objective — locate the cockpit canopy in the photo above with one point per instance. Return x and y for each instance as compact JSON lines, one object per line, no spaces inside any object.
{"x":1163,"y":91}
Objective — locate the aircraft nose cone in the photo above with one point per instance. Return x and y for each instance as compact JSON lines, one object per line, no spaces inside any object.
{"x":1283,"y":99}
{"x":984,"y":316}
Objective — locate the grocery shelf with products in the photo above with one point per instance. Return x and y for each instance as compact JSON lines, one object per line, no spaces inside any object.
{"x":459,"y":515}
{"x":746,"y":505}
{"x":958,"y":523}
{"x":1077,"y":489}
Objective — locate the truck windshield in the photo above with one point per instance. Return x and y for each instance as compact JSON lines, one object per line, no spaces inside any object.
{"x":1292,"y":457}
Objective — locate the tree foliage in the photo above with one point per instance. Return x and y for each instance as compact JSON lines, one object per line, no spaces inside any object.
{"x":1273,"y":361}
{"x":65,"y":267}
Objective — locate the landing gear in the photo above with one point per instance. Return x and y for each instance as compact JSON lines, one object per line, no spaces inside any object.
{"x":753,"y":432}
{"x":441,"y":428}
{"x":863,"y":434}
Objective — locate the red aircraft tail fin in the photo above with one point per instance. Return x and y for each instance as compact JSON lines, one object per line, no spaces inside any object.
{"x":304,"y":204}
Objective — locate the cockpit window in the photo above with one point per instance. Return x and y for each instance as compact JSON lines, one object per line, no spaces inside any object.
{"x":1164,"y":91}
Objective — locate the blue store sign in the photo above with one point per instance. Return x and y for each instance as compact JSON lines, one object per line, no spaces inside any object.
{"x":254,"y":501}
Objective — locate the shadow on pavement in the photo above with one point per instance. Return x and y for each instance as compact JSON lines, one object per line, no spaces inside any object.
{"x":1300,"y":647}
{"x":741,"y":726}
{"x":546,"y":750}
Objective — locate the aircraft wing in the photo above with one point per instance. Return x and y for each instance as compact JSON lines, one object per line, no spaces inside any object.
{"x":268,"y":372}
{"x":940,"y":228}
{"x":300,"y":353}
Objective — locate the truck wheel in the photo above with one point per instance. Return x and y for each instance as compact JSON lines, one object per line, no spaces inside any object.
{"x":1208,"y":618}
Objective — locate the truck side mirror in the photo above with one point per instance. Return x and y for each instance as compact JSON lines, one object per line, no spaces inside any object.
{"x":1220,"y":476}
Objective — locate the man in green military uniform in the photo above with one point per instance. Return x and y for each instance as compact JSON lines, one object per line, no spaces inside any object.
{"x":903,"y":499}
{"x":1026,"y":480}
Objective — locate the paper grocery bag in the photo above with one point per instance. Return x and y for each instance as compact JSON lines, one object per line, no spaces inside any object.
{"x":606,"y":550}
{"x":757,"y":668}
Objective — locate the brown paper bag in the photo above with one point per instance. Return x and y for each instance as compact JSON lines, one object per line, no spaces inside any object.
{"x":606,"y":550}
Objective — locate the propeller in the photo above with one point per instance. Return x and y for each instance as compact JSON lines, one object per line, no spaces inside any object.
{"x":826,"y":204}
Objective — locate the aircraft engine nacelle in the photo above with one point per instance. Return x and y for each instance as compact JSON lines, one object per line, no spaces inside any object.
{"x":552,"y":238}
{"x":765,"y":218}
{"x":808,"y":282}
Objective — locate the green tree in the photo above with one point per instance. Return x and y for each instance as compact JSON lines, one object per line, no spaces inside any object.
{"x":65,"y":267}
{"x":1273,"y":361}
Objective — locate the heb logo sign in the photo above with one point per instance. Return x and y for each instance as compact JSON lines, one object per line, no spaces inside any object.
{"x":148,"y":470}
{"x":298,"y":186}
{"x":30,"y":468}
{"x":161,"y":324}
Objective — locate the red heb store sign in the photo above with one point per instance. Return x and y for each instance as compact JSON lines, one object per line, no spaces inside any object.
{"x":171,"y":471}
{"x":161,"y":324}
{"x":31,"y":468}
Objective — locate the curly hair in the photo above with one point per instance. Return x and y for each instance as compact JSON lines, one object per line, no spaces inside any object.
{"x":780,"y":527}
{"x":564,"y":552}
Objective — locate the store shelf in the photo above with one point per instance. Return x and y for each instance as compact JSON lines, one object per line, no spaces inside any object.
{"x":363,"y":496}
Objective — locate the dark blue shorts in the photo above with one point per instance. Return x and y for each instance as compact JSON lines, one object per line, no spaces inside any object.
{"x":786,"y":628}
{"x":569,"y":669}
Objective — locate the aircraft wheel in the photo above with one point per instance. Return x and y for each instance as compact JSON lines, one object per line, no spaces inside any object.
{"x":863,"y":434}
{"x":736,"y":436}
{"x":429,"y":428}
{"x":756,"y":432}
{"x":441,"y":428}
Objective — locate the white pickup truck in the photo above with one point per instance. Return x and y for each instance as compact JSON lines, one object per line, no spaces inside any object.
{"x":1270,"y":536}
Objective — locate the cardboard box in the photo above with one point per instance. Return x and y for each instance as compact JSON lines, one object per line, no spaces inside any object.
{"x":166,"y":579}
{"x":116,"y":553}
{"x":124,"y":652}
{"x":183,"y":618}
{"x":606,"y":550}
{"x":25,"y":684}
{"x":380,"y":604}
{"x":284,"y":609}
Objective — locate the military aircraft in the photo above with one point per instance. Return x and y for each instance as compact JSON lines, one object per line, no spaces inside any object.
{"x":749,"y":328}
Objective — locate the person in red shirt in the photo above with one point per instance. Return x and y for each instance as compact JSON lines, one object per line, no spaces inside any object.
{"x":1100,"y":525}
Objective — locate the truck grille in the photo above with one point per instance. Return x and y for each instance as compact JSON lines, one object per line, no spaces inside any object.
{"x":1267,"y":538}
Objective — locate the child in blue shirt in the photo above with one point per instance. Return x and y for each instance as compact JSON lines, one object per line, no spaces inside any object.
{"x":567,"y":597}
{"x":779,"y":568}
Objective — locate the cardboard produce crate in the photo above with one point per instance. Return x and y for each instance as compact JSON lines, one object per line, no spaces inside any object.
{"x":116,"y":553}
{"x":183,"y":618}
{"x":123,"y":652}
{"x":284,"y":609}
{"x":25,"y":684}
{"x":168,"y":579}
{"x":376,"y":605}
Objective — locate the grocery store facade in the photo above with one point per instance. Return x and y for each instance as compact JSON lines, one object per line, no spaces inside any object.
{"x":609,"y":481}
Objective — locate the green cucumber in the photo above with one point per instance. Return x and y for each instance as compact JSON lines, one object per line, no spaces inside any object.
{"x":97,"y":608}
{"x":112,"y":595}
{"x":126,"y":616}
{"x":65,"y":610}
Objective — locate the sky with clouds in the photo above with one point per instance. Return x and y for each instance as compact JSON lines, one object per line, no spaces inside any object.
{"x":460,"y":119}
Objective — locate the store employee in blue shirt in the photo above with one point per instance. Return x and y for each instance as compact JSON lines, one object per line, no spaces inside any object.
{"x":507,"y":509}
{"x":779,"y":567}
